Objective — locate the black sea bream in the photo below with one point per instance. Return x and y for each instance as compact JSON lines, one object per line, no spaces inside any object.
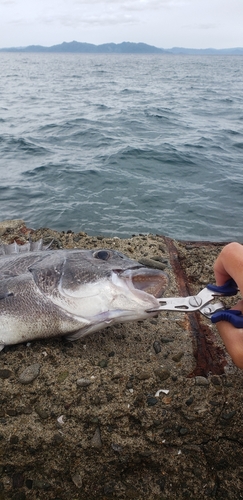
{"x":48,"y":293}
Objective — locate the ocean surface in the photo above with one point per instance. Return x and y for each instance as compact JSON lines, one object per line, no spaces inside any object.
{"x":123,"y":144}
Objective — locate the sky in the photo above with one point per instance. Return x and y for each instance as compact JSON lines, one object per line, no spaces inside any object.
{"x":163,"y":23}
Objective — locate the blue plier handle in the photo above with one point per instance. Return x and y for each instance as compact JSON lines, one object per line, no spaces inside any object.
{"x":202,"y":302}
{"x":233,"y":316}
{"x":228,"y":289}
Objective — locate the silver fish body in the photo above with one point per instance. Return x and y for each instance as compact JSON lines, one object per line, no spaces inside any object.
{"x":48,"y":293}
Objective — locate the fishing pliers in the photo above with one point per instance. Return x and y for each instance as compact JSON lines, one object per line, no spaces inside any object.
{"x":203,"y":302}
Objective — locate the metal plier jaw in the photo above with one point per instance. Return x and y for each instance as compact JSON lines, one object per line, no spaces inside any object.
{"x":200,"y":302}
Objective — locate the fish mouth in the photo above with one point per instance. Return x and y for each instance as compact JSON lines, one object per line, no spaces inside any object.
{"x":151,"y":281}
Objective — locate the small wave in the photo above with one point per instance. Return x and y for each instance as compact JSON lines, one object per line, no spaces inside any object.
{"x":238,"y":145}
{"x":12,"y":144}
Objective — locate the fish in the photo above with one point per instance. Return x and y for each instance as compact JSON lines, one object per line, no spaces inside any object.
{"x":48,"y":293}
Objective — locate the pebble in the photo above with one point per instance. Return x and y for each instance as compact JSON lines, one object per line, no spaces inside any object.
{"x":41,"y":412}
{"x":162,"y":373}
{"x":84,"y":382}
{"x":144,"y":375}
{"x":129,"y":385}
{"x":120,"y":336}
{"x":57,"y":439}
{"x":215,"y":380}
{"x":183,"y":431}
{"x":97,"y":400}
{"x":27,"y":410}
{"x":189,"y":401}
{"x":29,"y":374}
{"x":62,"y":376}
{"x":229,"y":415}
{"x":215,"y":403}
{"x":11,"y":412}
{"x":177,"y":357}
{"x":29,"y":484}
{"x":132,"y":494}
{"x":5,"y":373}
{"x":151,"y":400}
{"x":94,"y":420}
{"x":157,"y":347}
{"x":145,"y":453}
{"x":139,"y":399}
{"x":201,"y":381}
{"x":116,"y":447}
{"x":77,"y":480}
{"x":162,"y":248}
{"x":40,"y":484}
{"x":96,"y":439}
{"x":161,"y":259}
{"x":167,"y":400}
{"x":77,"y":238}
{"x":14,"y":439}
{"x":152,"y":263}
{"x":103,"y":363}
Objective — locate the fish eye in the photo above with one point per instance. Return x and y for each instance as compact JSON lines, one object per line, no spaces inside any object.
{"x":102,"y":255}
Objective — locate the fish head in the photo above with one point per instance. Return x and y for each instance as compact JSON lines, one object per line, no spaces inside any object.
{"x":137,"y":277}
{"x":109,"y":287}
{"x":105,"y":265}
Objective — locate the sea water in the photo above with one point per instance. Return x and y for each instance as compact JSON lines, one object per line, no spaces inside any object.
{"x":123,"y":144}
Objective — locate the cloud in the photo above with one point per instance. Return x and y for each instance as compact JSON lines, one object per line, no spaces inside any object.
{"x":104,"y":12}
{"x":209,"y":26}
{"x":7,"y":2}
{"x":205,"y":26}
{"x":135,"y":4}
{"x":88,"y":12}
{"x":104,"y":19}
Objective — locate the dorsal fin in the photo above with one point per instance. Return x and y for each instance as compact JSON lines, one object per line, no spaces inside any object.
{"x":30,"y":246}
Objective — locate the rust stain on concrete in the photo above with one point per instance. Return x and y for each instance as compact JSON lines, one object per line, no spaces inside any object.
{"x":210,"y":358}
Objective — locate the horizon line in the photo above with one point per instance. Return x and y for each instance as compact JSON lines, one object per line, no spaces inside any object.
{"x":124,"y":43}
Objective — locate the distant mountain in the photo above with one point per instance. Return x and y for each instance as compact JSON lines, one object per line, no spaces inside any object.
{"x":77,"y":47}
{"x":237,"y":51}
{"x":121,"y":48}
